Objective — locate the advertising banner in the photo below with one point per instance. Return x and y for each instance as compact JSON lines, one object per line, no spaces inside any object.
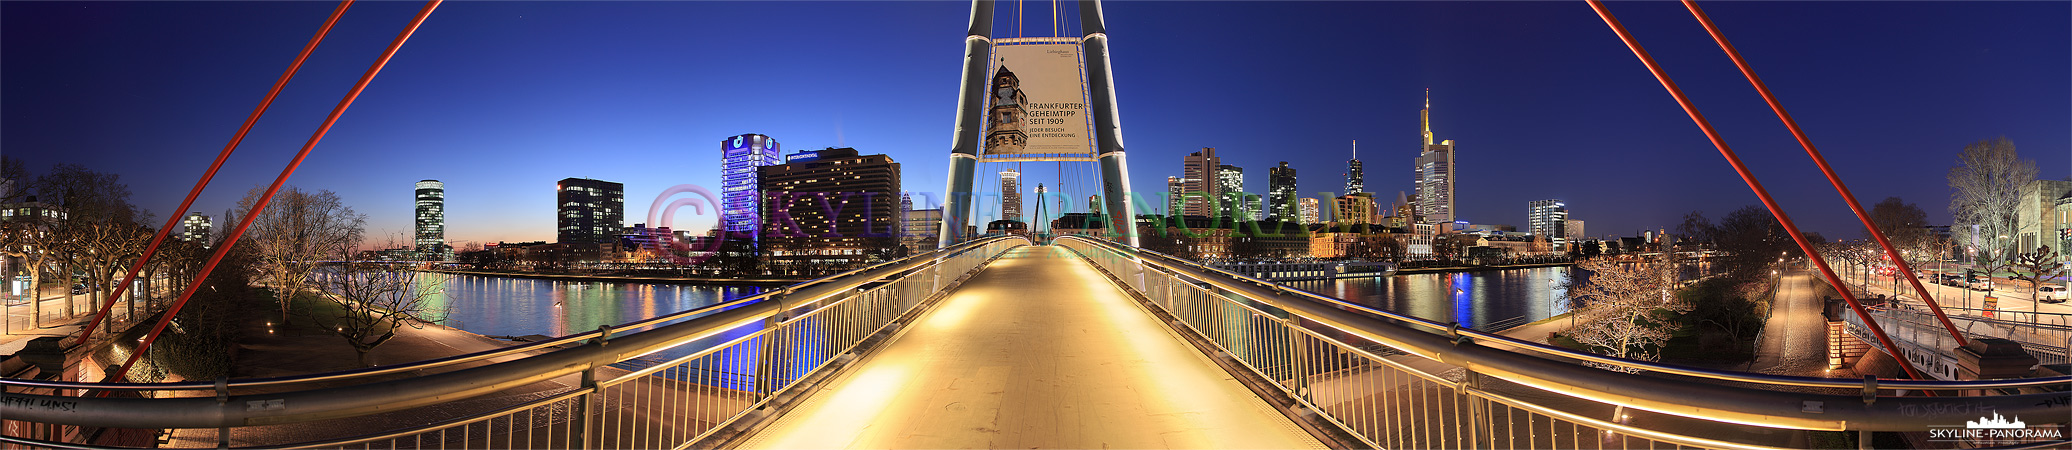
{"x":1036,"y":103}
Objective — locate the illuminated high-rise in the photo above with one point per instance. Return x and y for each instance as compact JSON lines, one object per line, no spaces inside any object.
{"x":740,"y":200}
{"x":1308,"y":211}
{"x":1230,"y":184}
{"x":1011,"y":195}
{"x":1355,"y":180}
{"x":196,"y":228}
{"x":1435,"y":173}
{"x":1549,"y":219}
{"x":1199,"y":185}
{"x":431,"y":220}
{"x":589,"y":211}
{"x":1280,"y":192}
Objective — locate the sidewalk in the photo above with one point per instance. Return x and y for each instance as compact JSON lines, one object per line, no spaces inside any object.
{"x":20,"y":327}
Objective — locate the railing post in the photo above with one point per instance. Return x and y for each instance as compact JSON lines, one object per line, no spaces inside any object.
{"x":222,"y":401}
{"x":587,"y":431}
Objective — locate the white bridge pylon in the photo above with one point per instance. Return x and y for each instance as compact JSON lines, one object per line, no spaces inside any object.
{"x":1029,"y":113}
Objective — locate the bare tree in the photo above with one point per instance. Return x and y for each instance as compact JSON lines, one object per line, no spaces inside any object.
{"x":297,"y":231}
{"x":1986,"y":186}
{"x":1629,"y":305}
{"x":376,"y":300}
{"x":97,"y":230}
{"x":1903,"y":223}
{"x":2036,"y":268}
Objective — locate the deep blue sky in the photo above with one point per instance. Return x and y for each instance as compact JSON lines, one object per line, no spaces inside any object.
{"x":500,"y":99}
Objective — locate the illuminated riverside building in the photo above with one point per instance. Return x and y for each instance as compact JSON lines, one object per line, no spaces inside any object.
{"x":431,"y":221}
{"x":1435,"y":172}
{"x":740,"y":201}
{"x":826,"y":210}
{"x":1549,"y":219}
{"x":589,"y":211}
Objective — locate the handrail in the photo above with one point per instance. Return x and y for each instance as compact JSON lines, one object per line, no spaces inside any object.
{"x":471,"y":357}
{"x":1726,"y":403}
{"x":348,"y":401}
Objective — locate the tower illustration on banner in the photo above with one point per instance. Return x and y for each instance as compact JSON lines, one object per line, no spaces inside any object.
{"x":1032,"y":99}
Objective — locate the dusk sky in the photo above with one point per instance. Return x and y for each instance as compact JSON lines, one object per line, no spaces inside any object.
{"x":501,"y":99}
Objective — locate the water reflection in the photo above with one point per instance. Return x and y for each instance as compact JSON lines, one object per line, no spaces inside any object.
{"x":493,"y":306}
{"x":1475,"y":299}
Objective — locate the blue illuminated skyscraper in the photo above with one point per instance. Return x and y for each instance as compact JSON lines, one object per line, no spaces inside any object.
{"x":740,"y":155}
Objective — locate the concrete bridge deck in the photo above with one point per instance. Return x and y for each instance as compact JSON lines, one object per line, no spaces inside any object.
{"x":1036,"y":351}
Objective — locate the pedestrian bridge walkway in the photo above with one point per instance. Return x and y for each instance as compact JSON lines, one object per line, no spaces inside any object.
{"x":1000,"y":342}
{"x":1038,"y":350}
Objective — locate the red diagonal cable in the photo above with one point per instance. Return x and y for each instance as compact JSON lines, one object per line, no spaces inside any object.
{"x":210,"y":174}
{"x":1746,"y":176}
{"x":1824,"y":169}
{"x":258,"y":208}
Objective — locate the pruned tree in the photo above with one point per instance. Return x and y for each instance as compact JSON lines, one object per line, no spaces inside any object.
{"x":297,"y":231}
{"x":2037,"y":267}
{"x":1985,"y":196}
{"x":378,"y":299}
{"x":1629,"y":306}
{"x":99,"y":230}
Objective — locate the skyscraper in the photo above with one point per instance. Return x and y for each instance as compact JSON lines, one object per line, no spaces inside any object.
{"x":1355,"y":182}
{"x":1230,"y":183}
{"x":1280,"y":192}
{"x":589,"y":211}
{"x":431,"y":220}
{"x":1435,"y":172}
{"x":741,"y":203}
{"x":1549,"y":219}
{"x":1309,"y":211}
{"x":1011,"y":195}
{"x":1174,"y":187}
{"x":1575,"y":231}
{"x":196,"y":228}
{"x":1199,"y":186}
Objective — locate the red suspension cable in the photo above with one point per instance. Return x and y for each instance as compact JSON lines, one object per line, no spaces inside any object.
{"x":258,"y":208}
{"x":1818,"y":160}
{"x":235,"y":139}
{"x":1746,"y":176}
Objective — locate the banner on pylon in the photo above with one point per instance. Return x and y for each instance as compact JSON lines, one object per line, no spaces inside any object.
{"x":1036,"y":102}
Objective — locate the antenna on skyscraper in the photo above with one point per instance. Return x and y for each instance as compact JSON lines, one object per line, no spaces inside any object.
{"x":1356,"y":149}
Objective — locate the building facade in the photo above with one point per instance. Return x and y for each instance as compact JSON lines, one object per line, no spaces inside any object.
{"x":2037,"y":222}
{"x":196,"y":228}
{"x":1308,"y":210}
{"x":918,"y":228}
{"x":1354,"y":209}
{"x":740,"y":202}
{"x":589,"y":211}
{"x":431,"y":221}
{"x":1435,"y":177}
{"x":829,"y":210}
{"x":1549,"y":219}
{"x":1281,"y":193}
{"x":1174,"y":201}
{"x":1575,"y":231}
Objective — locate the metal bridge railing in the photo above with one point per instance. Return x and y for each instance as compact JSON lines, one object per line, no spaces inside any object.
{"x":1445,"y":386}
{"x":2044,"y":335}
{"x":669,"y":386}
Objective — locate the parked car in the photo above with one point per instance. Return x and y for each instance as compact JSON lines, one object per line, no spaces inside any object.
{"x":1982,"y":284}
{"x":2050,"y":294}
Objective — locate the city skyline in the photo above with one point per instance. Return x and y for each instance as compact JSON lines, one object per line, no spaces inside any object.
{"x":108,"y":86}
